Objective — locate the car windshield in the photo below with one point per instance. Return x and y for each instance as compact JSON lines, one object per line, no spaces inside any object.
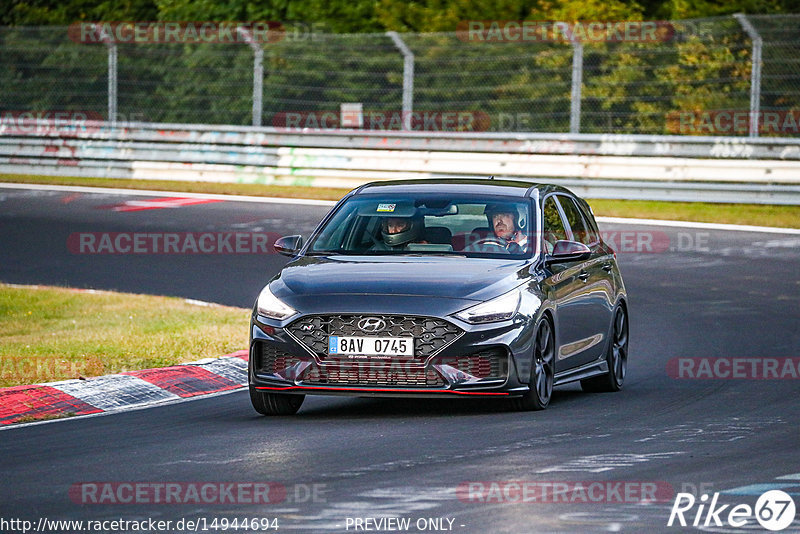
{"x":475,"y":226}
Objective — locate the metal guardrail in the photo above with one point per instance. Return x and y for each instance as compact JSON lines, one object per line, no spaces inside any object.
{"x":710,"y":169}
{"x":531,"y":143}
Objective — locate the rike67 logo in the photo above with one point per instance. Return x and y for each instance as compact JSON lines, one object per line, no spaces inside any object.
{"x":774,"y":510}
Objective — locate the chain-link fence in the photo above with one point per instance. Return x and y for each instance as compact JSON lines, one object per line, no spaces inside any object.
{"x":698,"y":77}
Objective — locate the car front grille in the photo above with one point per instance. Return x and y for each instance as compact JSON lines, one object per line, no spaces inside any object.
{"x":430,"y":334}
{"x":367,"y":375}
{"x":269,"y":360}
{"x":488,"y":364}
{"x":491,"y":364}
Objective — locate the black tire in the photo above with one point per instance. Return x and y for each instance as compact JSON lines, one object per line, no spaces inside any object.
{"x":616,"y":356}
{"x":542,"y":370}
{"x":275,"y":403}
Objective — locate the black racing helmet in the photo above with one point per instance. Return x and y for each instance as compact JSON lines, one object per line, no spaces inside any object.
{"x":412,"y":232}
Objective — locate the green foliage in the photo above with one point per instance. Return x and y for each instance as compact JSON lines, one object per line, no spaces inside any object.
{"x":51,"y":333}
{"x":444,"y":16}
{"x":686,"y":9}
{"x":336,"y":51}
{"x":352,"y":16}
{"x":572,"y":10}
{"x":356,"y":16}
{"x":46,"y":12}
{"x":42,"y":70}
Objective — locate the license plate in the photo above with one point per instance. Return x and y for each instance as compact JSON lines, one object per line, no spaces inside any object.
{"x":350,"y":346}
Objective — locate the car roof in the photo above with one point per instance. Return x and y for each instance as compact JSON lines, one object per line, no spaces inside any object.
{"x":486,"y":186}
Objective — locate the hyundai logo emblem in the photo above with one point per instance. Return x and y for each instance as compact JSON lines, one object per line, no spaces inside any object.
{"x":371,"y":324}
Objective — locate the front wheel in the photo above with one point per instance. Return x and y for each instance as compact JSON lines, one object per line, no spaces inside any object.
{"x":275,"y":403}
{"x":617,"y":358}
{"x":542,"y":370}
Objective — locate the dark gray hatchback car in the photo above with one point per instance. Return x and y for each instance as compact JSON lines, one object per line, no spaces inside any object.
{"x":442,"y":288}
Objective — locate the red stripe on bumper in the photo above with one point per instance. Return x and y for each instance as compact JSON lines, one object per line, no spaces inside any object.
{"x":307,"y":388}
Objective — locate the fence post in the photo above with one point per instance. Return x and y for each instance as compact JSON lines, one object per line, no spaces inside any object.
{"x":577,"y":81}
{"x":112,"y":72}
{"x":755,"y":73}
{"x":258,"y":74}
{"x":408,"y":78}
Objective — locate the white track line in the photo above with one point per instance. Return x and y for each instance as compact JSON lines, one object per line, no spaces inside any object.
{"x":150,"y":193}
{"x":309,"y":202}
{"x":707,"y":226}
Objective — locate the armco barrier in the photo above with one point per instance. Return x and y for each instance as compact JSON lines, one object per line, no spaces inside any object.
{"x":711,"y":169}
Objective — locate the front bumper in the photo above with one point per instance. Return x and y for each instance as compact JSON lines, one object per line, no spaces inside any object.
{"x":482,"y":361}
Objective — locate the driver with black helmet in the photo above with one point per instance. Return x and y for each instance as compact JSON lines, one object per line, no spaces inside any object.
{"x":398,"y":231}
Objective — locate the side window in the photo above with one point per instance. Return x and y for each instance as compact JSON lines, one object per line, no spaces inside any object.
{"x":333,"y":235}
{"x":580,"y":232}
{"x":553,"y":225}
{"x":591,"y":224}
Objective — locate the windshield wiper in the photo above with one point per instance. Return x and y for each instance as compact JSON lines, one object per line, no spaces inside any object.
{"x":437,"y":254}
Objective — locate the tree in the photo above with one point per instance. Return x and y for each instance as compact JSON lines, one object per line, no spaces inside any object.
{"x":54,"y":12}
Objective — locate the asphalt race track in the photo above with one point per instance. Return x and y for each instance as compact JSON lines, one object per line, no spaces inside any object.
{"x":697,"y":294}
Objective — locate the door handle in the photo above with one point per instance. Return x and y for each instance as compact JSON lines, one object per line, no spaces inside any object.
{"x":583,"y":276}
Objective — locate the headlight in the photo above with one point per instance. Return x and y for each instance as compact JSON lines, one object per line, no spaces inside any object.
{"x":498,"y":309}
{"x":269,"y":306}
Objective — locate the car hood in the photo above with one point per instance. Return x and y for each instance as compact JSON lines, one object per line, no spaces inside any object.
{"x":451,"y":277}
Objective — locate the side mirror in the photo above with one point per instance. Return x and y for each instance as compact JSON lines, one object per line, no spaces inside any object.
{"x":566,"y":251}
{"x":288,"y":245}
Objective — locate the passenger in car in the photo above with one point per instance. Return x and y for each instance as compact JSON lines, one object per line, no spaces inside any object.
{"x":507,"y":225}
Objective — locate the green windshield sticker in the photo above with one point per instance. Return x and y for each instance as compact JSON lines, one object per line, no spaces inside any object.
{"x":386,"y":207}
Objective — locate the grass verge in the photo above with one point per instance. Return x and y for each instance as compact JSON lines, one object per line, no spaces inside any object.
{"x":51,"y":333}
{"x":259,"y":190}
{"x":45,"y":417}
{"x":752,"y":214}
